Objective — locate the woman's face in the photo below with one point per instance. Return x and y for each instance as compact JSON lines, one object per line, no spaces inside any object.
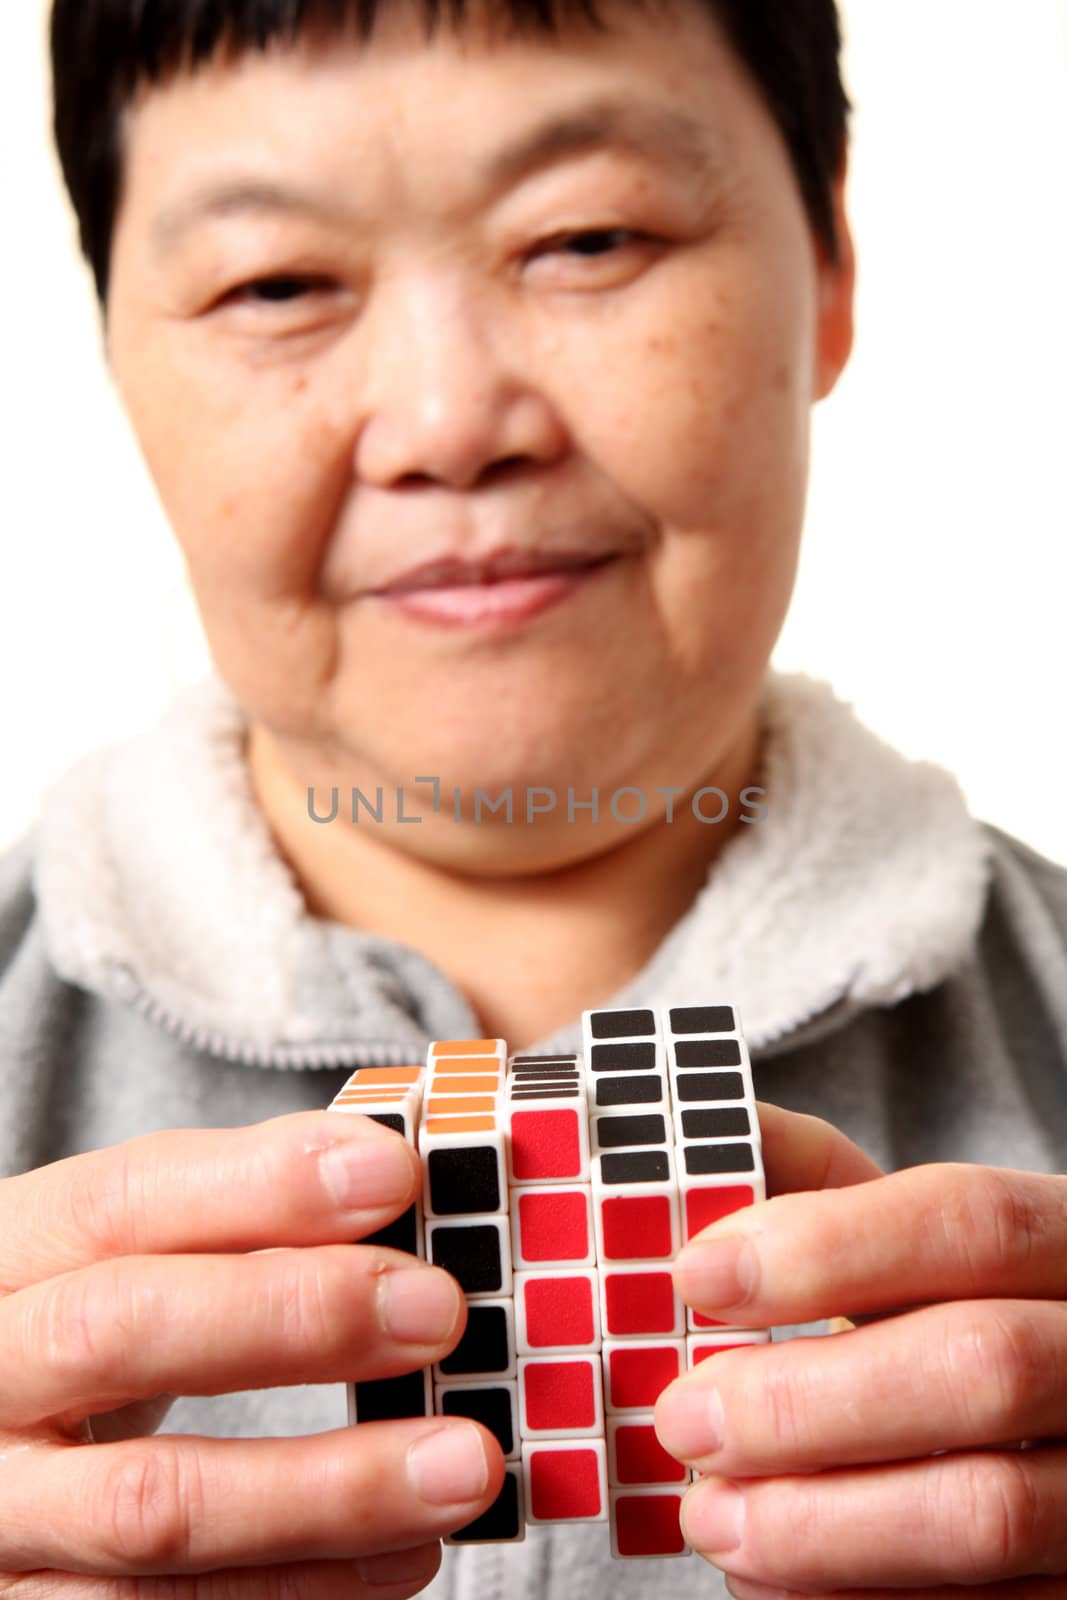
{"x":353,"y":338}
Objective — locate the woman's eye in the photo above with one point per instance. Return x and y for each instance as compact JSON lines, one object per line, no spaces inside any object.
{"x":595,"y":236}
{"x":279,"y":289}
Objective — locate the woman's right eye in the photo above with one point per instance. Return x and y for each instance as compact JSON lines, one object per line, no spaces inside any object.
{"x":277,"y":289}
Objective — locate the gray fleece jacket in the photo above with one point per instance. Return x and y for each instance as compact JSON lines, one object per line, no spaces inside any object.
{"x":899,"y":966}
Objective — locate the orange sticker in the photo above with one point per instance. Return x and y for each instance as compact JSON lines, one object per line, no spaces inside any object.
{"x":460,"y":1125}
{"x":383,"y":1098}
{"x":452,"y":1065}
{"x":466,"y":1047}
{"x":458,"y":1105}
{"x":457,"y":1085}
{"x":370,"y":1097}
{"x":370,"y":1077}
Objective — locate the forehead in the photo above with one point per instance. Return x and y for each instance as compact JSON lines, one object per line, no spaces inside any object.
{"x":647,"y":79}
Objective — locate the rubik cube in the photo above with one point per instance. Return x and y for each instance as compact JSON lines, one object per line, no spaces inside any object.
{"x":557,"y":1189}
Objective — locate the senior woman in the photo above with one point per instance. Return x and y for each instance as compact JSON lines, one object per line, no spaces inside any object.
{"x":474,"y":367}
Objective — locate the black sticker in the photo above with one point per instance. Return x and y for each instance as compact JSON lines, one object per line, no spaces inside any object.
{"x":702,"y":1019}
{"x":621,"y":1024}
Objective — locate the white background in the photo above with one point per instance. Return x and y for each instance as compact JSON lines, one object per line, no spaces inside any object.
{"x":932,"y":584}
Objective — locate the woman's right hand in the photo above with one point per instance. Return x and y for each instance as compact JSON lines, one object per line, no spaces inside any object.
{"x":202,"y":1262}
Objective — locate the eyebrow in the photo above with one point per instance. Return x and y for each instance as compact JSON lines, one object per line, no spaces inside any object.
{"x":641,"y":127}
{"x":644,"y":128}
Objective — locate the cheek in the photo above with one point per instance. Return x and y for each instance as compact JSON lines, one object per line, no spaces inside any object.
{"x":250,"y":474}
{"x":715,"y":451}
{"x":706,"y":422}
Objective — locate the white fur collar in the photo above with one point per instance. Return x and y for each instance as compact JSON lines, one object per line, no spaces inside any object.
{"x":160,"y":885}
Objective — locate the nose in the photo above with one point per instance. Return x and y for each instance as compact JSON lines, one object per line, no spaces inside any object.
{"x":454,"y":390}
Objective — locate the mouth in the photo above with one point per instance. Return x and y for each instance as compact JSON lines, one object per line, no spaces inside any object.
{"x":450,"y":572}
{"x":507,"y":588}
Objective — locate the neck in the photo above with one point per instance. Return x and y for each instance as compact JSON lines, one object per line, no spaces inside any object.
{"x":529,"y":949}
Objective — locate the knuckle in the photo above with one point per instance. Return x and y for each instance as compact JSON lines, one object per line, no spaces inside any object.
{"x":300,"y":1582}
{"x":290,"y":1583}
{"x":303,"y":1302}
{"x":108,"y":1198}
{"x":1000,"y":1226}
{"x":777,"y":1391}
{"x":73,"y":1327}
{"x":994,"y":1517}
{"x":998,"y":1366}
{"x":148,"y":1502}
{"x":94,"y":1321}
{"x":1014,"y":1221}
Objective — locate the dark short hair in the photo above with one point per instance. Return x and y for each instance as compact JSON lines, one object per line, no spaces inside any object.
{"x":102,"y":50}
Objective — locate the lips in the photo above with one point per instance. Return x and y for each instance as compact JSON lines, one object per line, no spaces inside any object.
{"x":451,"y":572}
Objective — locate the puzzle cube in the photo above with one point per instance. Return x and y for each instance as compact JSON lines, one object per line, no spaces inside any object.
{"x":557,"y":1190}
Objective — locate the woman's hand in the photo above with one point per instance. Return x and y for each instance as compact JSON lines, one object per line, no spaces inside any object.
{"x":885,"y":1457}
{"x":203,"y":1262}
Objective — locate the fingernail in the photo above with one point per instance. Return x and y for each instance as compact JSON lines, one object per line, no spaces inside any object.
{"x":690,"y":1422}
{"x":367,"y":1172}
{"x":723,"y":1272}
{"x":399,"y":1566}
{"x":449,"y":1467}
{"x":713,"y":1518}
{"x":419,"y":1305}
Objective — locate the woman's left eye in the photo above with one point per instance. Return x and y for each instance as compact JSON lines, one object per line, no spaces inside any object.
{"x":626,"y":235}
{"x":279,"y":289}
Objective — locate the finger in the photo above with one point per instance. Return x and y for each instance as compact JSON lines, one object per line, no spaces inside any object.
{"x":1017,"y":1589}
{"x":947,"y":1231}
{"x":214,"y":1189}
{"x":386,"y":1577}
{"x":138,"y":1326}
{"x":957,"y":1377}
{"x":182,"y":1504}
{"x":966,"y":1519}
{"x":805,"y":1152}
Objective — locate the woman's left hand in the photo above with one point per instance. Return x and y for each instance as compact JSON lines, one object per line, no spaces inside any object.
{"x":823,"y":1455}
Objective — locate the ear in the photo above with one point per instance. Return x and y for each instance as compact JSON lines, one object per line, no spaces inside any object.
{"x":836,"y":291}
